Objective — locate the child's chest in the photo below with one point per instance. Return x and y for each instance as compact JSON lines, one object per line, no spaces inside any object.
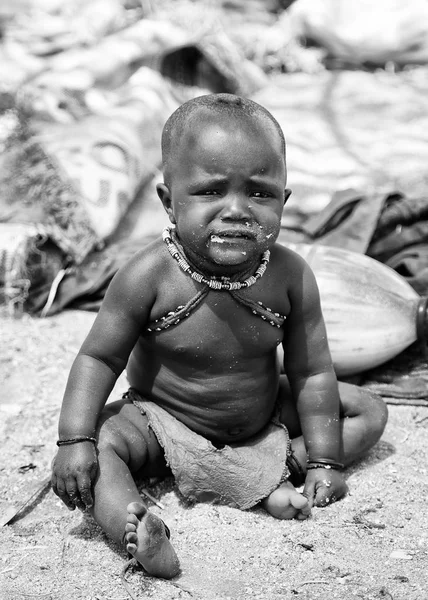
{"x":217,"y":323}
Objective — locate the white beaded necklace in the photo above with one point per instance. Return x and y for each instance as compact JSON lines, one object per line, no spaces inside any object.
{"x":212,"y":282}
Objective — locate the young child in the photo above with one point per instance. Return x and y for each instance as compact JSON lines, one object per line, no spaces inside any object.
{"x":196,"y":319}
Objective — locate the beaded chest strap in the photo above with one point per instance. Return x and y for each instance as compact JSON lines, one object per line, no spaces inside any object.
{"x":220,"y":284}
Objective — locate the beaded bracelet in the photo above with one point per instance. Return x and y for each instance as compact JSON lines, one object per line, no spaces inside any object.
{"x":76,"y":440}
{"x":324,"y":463}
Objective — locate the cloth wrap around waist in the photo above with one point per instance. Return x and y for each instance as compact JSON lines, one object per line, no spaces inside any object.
{"x":239,"y":475}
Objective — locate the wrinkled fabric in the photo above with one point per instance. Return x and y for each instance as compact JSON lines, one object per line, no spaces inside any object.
{"x":84,"y":285}
{"x":390,"y":228}
{"x":402,"y":237}
{"x":349,"y":221}
{"x":412,"y":264}
{"x":239,"y":475}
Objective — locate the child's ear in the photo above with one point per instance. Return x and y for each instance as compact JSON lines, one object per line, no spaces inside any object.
{"x":165,"y":197}
{"x":287,"y":194}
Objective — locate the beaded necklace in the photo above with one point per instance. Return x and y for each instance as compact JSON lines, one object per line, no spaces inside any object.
{"x":174,"y":317}
{"x":213,"y":282}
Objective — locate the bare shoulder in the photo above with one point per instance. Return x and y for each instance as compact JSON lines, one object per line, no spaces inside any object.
{"x":140,"y":276}
{"x":302,"y":288}
{"x":286,"y":259}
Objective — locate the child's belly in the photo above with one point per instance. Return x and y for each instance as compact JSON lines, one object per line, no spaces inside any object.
{"x":217,"y":371}
{"x":224,"y":407}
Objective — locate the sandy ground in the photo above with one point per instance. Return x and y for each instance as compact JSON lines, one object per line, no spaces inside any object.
{"x":373,"y":544}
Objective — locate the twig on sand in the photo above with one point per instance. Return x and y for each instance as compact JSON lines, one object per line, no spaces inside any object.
{"x":132,"y":563}
{"x":406,"y":435}
{"x":14,"y":566}
{"x":311,"y":582}
{"x":65,"y":546}
{"x":152,"y":498}
{"x":361,"y":519}
{"x":35,"y":496}
{"x":421,"y":420}
{"x":37,"y":595}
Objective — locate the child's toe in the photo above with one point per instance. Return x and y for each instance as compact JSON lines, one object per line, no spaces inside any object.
{"x":299,"y":501}
{"x":131,"y":548}
{"x":132,"y":537}
{"x":132,"y":519}
{"x":130,"y":528}
{"x":137,"y":508}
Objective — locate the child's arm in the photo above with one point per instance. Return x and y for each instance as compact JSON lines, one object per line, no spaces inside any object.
{"x":308,"y":365}
{"x":100,"y":361}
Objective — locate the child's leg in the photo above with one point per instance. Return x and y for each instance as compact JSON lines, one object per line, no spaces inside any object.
{"x":127,"y":445}
{"x":363,"y":420}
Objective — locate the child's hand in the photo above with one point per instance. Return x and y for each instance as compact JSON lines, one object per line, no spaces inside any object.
{"x":323,"y":486}
{"x":73,"y":471}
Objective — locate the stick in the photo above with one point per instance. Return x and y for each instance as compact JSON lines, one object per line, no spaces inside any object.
{"x":11,"y":515}
{"x":312,"y":582}
{"x":129,"y":563}
{"x":153,"y":499}
{"x":132,"y":563}
{"x":14,"y":566}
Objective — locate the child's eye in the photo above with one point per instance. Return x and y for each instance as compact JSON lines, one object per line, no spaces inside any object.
{"x":260,"y":194}
{"x":209,"y":193}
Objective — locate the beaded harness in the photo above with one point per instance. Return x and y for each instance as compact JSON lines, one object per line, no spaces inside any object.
{"x":220,"y":284}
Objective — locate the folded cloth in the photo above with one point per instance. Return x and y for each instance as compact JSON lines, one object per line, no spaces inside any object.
{"x":403,"y":237}
{"x":403,"y":379}
{"x":412,"y":264}
{"x":413,"y":391}
{"x":348,"y":221}
{"x":388,"y":227}
{"x":239,"y":475}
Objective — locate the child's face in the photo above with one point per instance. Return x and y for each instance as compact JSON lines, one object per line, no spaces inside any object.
{"x":227,"y":191}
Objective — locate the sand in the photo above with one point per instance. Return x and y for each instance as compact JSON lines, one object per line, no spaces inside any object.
{"x":373,"y":544}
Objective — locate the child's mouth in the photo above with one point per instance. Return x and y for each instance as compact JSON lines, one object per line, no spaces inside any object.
{"x":231,"y":237}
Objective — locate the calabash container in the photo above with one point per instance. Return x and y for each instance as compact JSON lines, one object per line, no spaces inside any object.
{"x":371,"y":312}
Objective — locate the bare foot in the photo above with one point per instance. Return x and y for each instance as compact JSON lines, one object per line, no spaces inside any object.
{"x":286,"y":503}
{"x":147,"y":541}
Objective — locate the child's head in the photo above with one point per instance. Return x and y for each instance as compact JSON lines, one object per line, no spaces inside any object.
{"x":222,"y":106}
{"x":224,"y":179}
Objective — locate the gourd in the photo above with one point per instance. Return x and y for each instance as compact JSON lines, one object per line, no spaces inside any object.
{"x":371,"y":312}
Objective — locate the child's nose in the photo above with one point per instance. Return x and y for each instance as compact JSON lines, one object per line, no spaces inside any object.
{"x":236,"y":206}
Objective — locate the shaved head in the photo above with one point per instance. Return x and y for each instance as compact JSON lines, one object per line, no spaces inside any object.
{"x":220,"y":105}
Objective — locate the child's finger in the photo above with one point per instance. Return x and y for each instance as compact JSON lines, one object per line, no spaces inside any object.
{"x":59,"y":489}
{"x":85,"y":490}
{"x":73,"y":494}
{"x":322,"y":497}
{"x":330,"y":489}
{"x":305,"y":509}
{"x":309,"y":494}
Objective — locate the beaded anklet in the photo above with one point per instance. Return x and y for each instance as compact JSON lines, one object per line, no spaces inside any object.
{"x":76,"y":440}
{"x":324,"y":463}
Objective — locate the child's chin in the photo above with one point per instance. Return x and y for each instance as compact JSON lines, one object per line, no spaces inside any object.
{"x":230,"y":257}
